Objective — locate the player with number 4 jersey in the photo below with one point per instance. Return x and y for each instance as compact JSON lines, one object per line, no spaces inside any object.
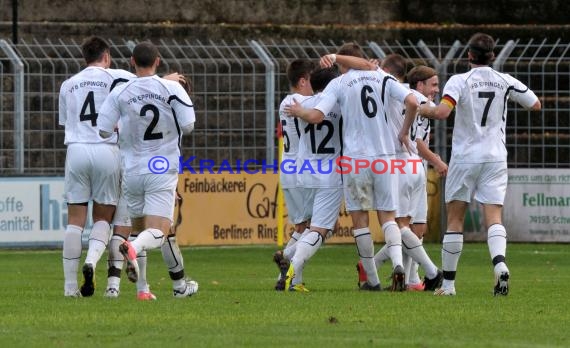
{"x":92,"y":164}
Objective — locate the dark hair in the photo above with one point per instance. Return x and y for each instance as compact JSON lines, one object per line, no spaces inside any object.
{"x":93,"y":49}
{"x":396,"y":65}
{"x":351,"y":49}
{"x":481,"y":47}
{"x":144,"y":54}
{"x":420,"y":73}
{"x":298,"y":69}
{"x":321,"y":77}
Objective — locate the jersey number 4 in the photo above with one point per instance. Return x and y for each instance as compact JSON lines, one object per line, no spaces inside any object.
{"x":89,"y":106}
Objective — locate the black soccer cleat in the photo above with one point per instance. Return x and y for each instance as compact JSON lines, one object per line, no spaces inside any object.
{"x":398,"y":279}
{"x":88,"y":287}
{"x":432,"y":284}
{"x":502,"y":286}
{"x":283,"y":265}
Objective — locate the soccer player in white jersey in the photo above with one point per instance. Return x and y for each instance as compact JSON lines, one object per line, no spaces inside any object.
{"x":412,"y":203}
{"x":363,"y":97}
{"x":154,"y":114}
{"x":478,"y":165}
{"x":319,"y":147}
{"x":92,"y":165}
{"x":298,"y":200}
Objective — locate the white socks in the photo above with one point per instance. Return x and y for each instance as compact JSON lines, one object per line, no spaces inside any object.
{"x":289,"y":250}
{"x":114,"y":262}
{"x":151,"y":238}
{"x":173,"y":258}
{"x":450,"y":253}
{"x":307,"y":246}
{"x":365,"y":246}
{"x":415,"y":249}
{"x":71,"y":255}
{"x":98,"y":239}
{"x":393,"y":239}
{"x":497,"y":242}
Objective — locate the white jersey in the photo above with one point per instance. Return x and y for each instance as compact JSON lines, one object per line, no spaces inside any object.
{"x":319,"y":147}
{"x":152,"y":111}
{"x":421,"y":127}
{"x":362,"y":96}
{"x":291,"y":134}
{"x":80,"y":98}
{"x":480,"y":98}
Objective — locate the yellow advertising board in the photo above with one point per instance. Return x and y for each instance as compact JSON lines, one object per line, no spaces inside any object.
{"x":232,"y":209}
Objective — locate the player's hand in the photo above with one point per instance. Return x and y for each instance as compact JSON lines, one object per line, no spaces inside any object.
{"x":327,"y":61}
{"x":441,"y":168}
{"x":294,"y":109}
{"x":176,"y":77}
{"x":376,"y":62}
{"x":404,"y":138}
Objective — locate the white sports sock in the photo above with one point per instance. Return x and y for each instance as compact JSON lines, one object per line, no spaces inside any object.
{"x":289,"y":250}
{"x":407,"y":263}
{"x":381,"y":257}
{"x":365,"y":247}
{"x":414,"y":276}
{"x":98,"y":239}
{"x":450,"y":253}
{"x":497,"y":242}
{"x":393,"y":240}
{"x":151,"y":238}
{"x":71,"y":255}
{"x":114,"y":262}
{"x":414,"y":247}
{"x":142,"y":284}
{"x":307,"y":246}
{"x":174,"y":261}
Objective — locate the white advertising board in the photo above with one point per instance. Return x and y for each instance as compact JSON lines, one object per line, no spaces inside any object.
{"x":537,"y":208}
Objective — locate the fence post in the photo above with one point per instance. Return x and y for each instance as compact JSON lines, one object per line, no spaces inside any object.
{"x":269,"y":99}
{"x":18,"y":105}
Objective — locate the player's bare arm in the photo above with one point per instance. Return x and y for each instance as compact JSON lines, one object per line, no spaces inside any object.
{"x":348,"y":61}
{"x":411,"y":103}
{"x":438,"y":112}
{"x":308,"y":115}
{"x":432,"y":158}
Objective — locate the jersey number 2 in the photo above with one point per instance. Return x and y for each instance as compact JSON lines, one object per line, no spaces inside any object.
{"x":148,"y":134}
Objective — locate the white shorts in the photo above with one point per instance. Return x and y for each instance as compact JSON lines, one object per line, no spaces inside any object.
{"x":299,"y":203}
{"x":326,"y":207}
{"x":488,"y":181}
{"x":121,"y":217}
{"x":92,"y":172}
{"x":151,"y":194}
{"x":367,"y":190}
{"x":412,"y":200}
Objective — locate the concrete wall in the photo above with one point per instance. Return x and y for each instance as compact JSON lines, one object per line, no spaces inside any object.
{"x":338,"y":20}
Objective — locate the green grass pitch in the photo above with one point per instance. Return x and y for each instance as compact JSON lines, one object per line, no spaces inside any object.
{"x":236,"y":306}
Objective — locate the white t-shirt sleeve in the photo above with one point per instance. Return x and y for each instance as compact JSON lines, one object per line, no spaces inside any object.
{"x":328,"y":98}
{"x":396,"y":90}
{"x":109,"y":113}
{"x":453,"y":88}
{"x":522,"y":94}
{"x":182,"y":105}
{"x":62,"y":104}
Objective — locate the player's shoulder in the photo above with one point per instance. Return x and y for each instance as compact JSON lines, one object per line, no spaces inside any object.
{"x":420,"y":97}
{"x":120,"y":73}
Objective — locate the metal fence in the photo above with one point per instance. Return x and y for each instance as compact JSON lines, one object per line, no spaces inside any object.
{"x":237,"y":88}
